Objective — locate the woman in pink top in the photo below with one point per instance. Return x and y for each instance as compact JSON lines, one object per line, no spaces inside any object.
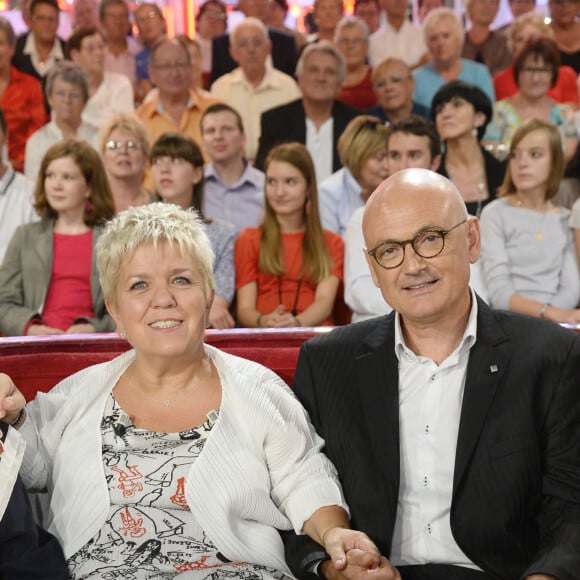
{"x":49,"y":283}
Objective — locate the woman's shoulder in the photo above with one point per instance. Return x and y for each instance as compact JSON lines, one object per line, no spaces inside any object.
{"x":332,"y":239}
{"x":249,"y":235}
{"x":497,"y":207}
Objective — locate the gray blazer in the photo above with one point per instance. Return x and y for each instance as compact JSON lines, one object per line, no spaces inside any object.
{"x":25,"y":277}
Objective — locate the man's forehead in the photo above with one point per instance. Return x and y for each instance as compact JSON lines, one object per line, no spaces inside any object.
{"x":400,"y":141}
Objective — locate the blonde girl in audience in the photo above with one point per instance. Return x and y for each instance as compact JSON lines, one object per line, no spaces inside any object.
{"x":49,"y":282}
{"x":528,"y":256}
{"x":288,"y":270}
{"x":177,"y":172}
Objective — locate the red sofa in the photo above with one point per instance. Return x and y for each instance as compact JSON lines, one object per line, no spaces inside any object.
{"x":39,"y":363}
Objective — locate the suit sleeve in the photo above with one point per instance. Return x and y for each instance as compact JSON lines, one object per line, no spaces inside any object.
{"x":267,"y":139}
{"x":300,"y":550}
{"x":559,"y":517}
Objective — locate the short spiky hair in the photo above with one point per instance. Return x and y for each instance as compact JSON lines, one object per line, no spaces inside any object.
{"x":468,"y":92}
{"x":420,"y":127}
{"x":152,"y":224}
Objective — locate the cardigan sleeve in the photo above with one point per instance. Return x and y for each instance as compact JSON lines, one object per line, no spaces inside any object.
{"x":14,"y":313}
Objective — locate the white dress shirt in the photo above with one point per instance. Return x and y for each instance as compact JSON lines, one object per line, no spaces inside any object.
{"x":320,"y":145}
{"x":430,"y":399}
{"x":275,"y":89}
{"x":407,"y":43}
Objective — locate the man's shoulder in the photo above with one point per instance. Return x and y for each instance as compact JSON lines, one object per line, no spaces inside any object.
{"x":351,"y":336}
{"x":526,"y":334}
{"x":342,"y":109}
{"x":281,"y":110}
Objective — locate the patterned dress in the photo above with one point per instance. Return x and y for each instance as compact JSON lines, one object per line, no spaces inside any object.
{"x":150,"y":532}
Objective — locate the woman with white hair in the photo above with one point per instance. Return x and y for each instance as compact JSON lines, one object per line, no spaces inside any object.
{"x":175,"y":460}
{"x":352,"y":39}
{"x":444,"y":37}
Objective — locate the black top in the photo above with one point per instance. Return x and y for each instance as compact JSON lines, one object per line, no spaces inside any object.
{"x":494,"y":174}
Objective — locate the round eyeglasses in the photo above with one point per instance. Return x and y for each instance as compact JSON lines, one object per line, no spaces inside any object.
{"x":426,"y":244}
{"x":128,"y":145}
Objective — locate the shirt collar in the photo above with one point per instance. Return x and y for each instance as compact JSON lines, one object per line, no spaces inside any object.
{"x":30,"y":48}
{"x":248,"y":176}
{"x":467,"y":341}
{"x":268,"y":82}
{"x":192,"y":102}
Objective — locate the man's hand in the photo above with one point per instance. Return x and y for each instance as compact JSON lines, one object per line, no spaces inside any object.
{"x":354,"y":555}
{"x":11,"y":399}
{"x":360,"y":565}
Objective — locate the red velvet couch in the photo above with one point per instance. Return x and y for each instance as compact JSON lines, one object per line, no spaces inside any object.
{"x":39,"y":363}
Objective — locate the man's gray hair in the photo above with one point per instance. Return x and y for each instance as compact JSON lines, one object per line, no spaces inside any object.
{"x":325,"y":47}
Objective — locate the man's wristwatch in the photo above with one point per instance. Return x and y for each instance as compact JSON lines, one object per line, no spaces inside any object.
{"x":312,"y":563}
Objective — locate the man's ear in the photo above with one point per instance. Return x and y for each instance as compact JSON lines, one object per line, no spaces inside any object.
{"x":474,"y":239}
{"x":372,"y":264}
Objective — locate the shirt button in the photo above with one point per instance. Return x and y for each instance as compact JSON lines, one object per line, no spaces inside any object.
{"x":427,"y":429}
{"x":428,"y":528}
{"x":433,"y":377}
{"x":425,"y":481}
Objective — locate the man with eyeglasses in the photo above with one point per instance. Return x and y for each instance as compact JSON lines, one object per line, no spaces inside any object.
{"x":40,"y":48}
{"x":176,"y":107}
{"x":255,"y":85}
{"x":455,"y":429}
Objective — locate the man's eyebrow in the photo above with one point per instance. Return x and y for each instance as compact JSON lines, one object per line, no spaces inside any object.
{"x":427,"y":228}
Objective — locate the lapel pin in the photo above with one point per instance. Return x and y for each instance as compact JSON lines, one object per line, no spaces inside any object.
{"x":493,"y":368}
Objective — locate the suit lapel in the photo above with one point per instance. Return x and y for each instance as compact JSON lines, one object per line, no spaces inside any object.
{"x":488,"y":361}
{"x":378,"y":388}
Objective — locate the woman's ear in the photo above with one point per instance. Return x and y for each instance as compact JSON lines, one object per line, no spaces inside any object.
{"x":197,"y":175}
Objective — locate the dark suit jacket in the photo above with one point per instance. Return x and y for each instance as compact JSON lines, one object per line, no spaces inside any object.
{"x":288,"y":123}
{"x":284,"y":54}
{"x":516,"y":491}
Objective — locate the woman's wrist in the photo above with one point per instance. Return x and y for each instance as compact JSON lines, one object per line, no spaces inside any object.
{"x":297,"y":321}
{"x":20,"y":418}
{"x":259,"y":320}
{"x":544,"y":310}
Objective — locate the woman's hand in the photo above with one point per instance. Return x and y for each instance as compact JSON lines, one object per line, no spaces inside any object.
{"x":219,"y":314}
{"x":278,"y":318}
{"x":569,"y":315}
{"x":42,"y":330}
{"x":80,"y":328}
{"x":12,"y":401}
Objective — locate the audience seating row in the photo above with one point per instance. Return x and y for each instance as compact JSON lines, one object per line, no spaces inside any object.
{"x":39,"y":363}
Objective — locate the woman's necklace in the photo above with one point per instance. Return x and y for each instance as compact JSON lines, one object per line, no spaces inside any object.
{"x":294,"y":312}
{"x":539,"y":235}
{"x":480,"y":189}
{"x":166,"y":402}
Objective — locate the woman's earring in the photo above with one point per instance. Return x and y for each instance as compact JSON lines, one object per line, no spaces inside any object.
{"x":88,"y":205}
{"x":474,"y":132}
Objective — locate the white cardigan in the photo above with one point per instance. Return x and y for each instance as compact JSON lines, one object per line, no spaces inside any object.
{"x":261,"y":468}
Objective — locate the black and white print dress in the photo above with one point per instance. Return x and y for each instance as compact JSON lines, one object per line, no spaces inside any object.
{"x":150,"y":533}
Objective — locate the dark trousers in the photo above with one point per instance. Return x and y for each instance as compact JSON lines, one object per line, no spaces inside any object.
{"x":440,"y":572}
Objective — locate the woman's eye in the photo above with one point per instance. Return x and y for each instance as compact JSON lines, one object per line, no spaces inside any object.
{"x":138,"y":285}
{"x":181,"y":280}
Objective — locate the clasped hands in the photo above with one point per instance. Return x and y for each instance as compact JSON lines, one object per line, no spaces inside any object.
{"x":353,"y":555}
{"x":280,"y":317}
